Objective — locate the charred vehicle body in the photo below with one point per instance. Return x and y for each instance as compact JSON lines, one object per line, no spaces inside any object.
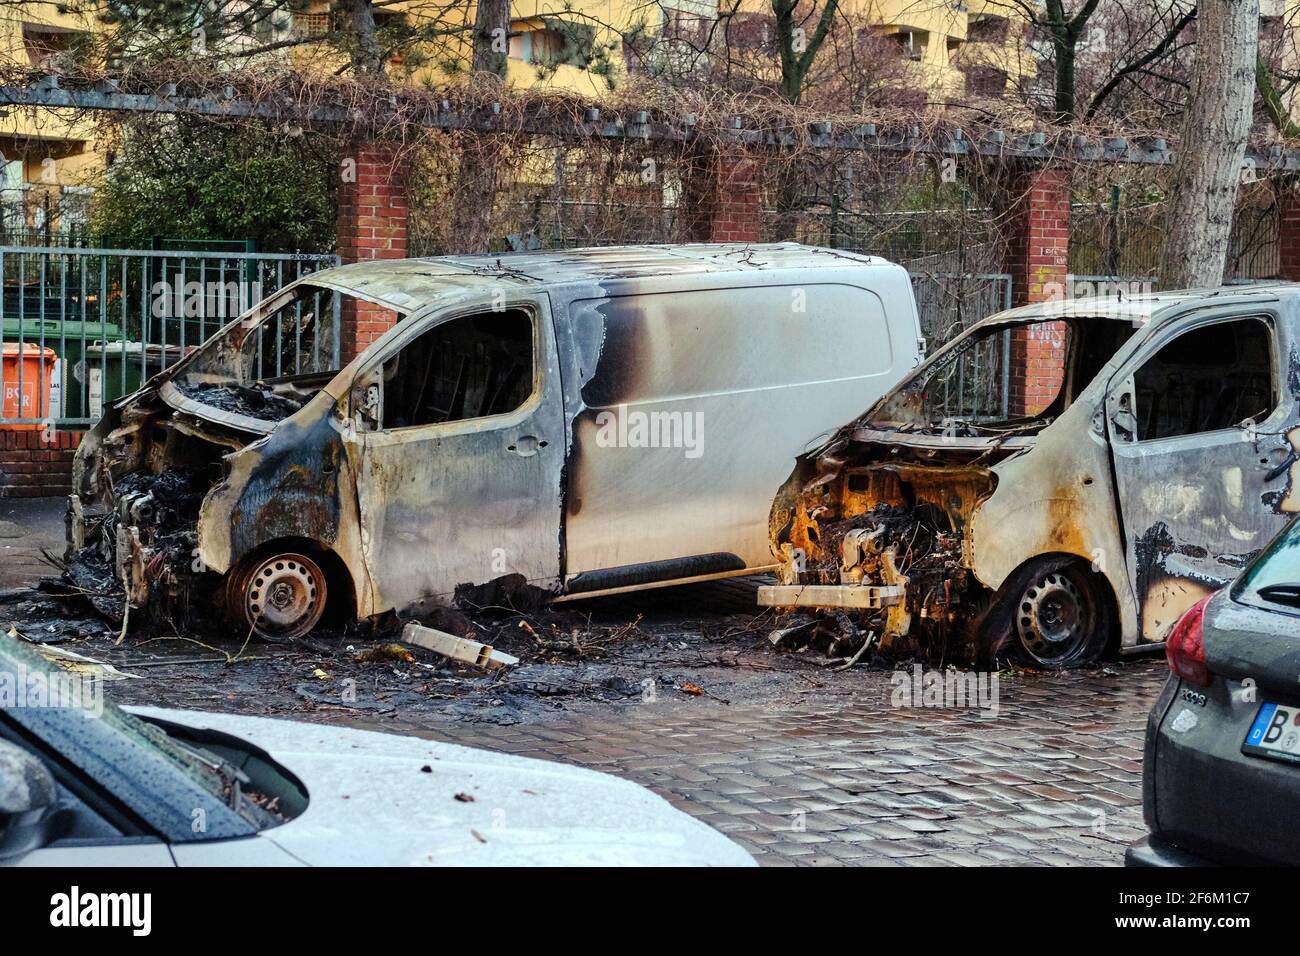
{"x":1048,"y":513}
{"x":574,"y":423}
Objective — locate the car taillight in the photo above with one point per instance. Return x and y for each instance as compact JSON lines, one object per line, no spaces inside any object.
{"x":1185,"y":646}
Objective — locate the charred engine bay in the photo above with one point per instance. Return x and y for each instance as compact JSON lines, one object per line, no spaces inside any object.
{"x":867,"y":513}
{"x":259,"y":400}
{"x":154,"y":515}
{"x":141,"y":494}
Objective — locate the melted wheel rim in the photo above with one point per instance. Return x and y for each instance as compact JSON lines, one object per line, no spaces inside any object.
{"x":1051,"y":618}
{"x":284,"y":597}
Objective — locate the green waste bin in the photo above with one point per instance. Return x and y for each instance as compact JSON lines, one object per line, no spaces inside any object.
{"x":69,"y":393}
{"x":114,"y":369}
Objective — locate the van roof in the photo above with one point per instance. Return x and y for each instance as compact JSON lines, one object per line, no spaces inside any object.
{"x":1116,"y":303}
{"x":407,"y":284}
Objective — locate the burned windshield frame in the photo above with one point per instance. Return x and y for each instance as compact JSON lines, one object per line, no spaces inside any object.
{"x":324,"y":304}
{"x":911,"y":407}
{"x":1085,"y":343}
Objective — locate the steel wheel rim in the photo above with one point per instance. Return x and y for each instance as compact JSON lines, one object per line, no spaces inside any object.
{"x":284,"y":596}
{"x":1051,"y":618}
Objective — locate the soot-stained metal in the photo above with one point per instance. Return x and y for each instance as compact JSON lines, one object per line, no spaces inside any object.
{"x":318,"y":483}
{"x":1053,"y":530}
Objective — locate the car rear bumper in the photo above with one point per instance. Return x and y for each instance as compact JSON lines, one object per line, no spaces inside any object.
{"x":1153,"y":851}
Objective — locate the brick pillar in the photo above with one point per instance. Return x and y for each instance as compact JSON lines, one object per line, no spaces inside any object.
{"x":721,"y":201}
{"x":372,"y":224}
{"x":1288,"y":231}
{"x":1037,"y":230}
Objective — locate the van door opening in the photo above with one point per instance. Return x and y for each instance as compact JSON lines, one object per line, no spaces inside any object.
{"x":462,"y":439}
{"x":1184,"y":419}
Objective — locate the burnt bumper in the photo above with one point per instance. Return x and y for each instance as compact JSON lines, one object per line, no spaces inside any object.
{"x":831,"y":596}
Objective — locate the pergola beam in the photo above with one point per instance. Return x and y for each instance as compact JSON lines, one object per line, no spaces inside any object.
{"x":49,"y":92}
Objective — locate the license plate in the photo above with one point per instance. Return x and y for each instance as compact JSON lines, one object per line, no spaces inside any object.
{"x":1275,"y":733}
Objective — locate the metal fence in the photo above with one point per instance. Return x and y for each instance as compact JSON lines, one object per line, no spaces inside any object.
{"x":82,"y":327}
{"x":979,"y":384}
{"x":1124,"y":243}
{"x":949,"y":302}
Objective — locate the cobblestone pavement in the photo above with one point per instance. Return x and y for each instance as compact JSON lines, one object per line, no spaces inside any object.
{"x":28,"y":525}
{"x":803,"y":766}
{"x":1053,"y":779}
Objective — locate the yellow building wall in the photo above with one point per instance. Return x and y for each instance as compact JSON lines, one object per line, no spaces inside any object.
{"x":57,"y":147}
{"x":448,"y":57}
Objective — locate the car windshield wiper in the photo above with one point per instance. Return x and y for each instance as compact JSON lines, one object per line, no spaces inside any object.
{"x":1281,"y":593}
{"x":232,"y":778}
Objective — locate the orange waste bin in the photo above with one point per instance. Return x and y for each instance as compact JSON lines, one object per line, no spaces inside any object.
{"x":31,"y":399}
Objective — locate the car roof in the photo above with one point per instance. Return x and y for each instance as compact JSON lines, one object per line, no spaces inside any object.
{"x":1114,"y":303}
{"x":407,"y":284}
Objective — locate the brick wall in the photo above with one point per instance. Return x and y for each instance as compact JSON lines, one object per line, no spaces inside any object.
{"x":372,"y":224}
{"x":1037,"y":230}
{"x":721,"y":200}
{"x":36,"y":463}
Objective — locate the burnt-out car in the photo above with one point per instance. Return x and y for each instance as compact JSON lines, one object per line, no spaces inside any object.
{"x":997,"y":503}
{"x":567,"y":423}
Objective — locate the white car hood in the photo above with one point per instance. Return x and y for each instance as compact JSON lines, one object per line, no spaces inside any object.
{"x":372,"y":803}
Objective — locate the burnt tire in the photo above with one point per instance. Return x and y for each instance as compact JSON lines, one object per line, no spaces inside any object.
{"x":1050,"y":615}
{"x":279,"y":597}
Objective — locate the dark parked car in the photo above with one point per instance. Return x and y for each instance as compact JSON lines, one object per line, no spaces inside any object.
{"x":1221,"y":776}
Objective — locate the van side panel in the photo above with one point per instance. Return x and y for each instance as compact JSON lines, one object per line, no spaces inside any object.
{"x":701,"y":399}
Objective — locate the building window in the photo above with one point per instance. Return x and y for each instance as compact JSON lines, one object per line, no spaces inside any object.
{"x":912,"y":42}
{"x":13,"y":212}
{"x":551,"y":43}
{"x":311,"y":24}
{"x":48,"y":47}
{"x":684,"y":25}
{"x":986,"y":81}
{"x":74,"y":208}
{"x":988,"y":28}
{"x":751,"y":31}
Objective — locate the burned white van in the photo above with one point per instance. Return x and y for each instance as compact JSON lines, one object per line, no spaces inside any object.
{"x":1051,"y":517}
{"x":577,"y":422}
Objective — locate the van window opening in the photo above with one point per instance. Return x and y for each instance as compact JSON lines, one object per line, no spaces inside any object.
{"x":299,"y":338}
{"x":982,"y":388}
{"x":1210,"y":378}
{"x":474,"y":366}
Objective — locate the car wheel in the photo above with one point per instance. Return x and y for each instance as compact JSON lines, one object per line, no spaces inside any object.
{"x":279,"y":598}
{"x":1051,"y":616}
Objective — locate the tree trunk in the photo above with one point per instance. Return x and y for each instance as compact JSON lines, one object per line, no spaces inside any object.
{"x":1066,"y":53}
{"x":1207,"y":169}
{"x":491,"y":37}
{"x":480,"y":162}
{"x":367,"y":58}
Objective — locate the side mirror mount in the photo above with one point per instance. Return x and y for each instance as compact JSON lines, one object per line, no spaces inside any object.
{"x":368,"y":400}
{"x":1123,"y":419}
{"x":28,"y":815}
